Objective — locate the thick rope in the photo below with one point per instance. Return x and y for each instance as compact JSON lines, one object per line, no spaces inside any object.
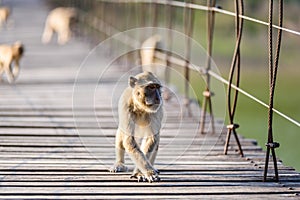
{"x":207,"y":93}
{"x":235,"y":64}
{"x":154,"y":13}
{"x":169,"y":22}
{"x":188,"y":29}
{"x":273,"y":68}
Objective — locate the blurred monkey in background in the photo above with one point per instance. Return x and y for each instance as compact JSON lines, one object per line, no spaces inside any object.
{"x":4,"y":14}
{"x":9,"y":55}
{"x":59,"y":21}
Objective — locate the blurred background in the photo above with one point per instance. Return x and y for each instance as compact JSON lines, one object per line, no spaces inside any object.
{"x":251,"y":116}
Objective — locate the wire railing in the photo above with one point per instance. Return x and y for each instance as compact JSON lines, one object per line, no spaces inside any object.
{"x":204,"y":8}
{"x":188,"y":6}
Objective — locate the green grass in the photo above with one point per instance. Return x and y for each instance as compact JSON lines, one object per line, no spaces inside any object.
{"x":253,"y":117}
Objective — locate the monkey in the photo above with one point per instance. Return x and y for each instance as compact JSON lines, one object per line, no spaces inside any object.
{"x":140,"y":117}
{"x":8,"y":55}
{"x":59,"y":21}
{"x":4,"y":14}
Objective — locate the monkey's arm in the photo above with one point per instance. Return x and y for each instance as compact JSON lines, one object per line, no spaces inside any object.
{"x":149,"y":147}
{"x":119,"y":165}
{"x":127,"y":127}
{"x":140,"y":160}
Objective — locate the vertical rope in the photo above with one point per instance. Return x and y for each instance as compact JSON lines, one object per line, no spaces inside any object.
{"x":142,"y":16}
{"x":169,"y":22}
{"x":235,"y":65}
{"x":188,"y":21}
{"x":128,"y":11}
{"x":154,"y":13}
{"x":273,"y":68}
{"x":207,"y":93}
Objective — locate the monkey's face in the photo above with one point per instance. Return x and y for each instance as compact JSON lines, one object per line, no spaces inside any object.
{"x":147,"y":93}
{"x":150,"y":97}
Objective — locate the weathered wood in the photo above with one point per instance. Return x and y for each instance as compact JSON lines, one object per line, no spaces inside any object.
{"x":51,"y":148}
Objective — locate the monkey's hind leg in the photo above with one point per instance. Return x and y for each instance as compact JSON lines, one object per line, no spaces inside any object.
{"x":63,"y":36}
{"x":9,"y":75}
{"x":119,"y":165}
{"x":47,"y":35}
{"x":16,"y":69}
{"x":1,"y":71}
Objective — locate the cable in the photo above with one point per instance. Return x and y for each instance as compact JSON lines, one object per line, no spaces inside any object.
{"x":134,"y":43}
{"x":205,"y":8}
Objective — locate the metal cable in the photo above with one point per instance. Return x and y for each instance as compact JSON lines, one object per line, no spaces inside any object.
{"x":205,"y":8}
{"x":218,"y":77}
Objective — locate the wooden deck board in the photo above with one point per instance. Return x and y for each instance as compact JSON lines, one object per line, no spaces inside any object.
{"x":51,"y":149}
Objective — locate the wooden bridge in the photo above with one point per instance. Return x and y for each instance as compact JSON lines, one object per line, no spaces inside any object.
{"x":54,"y":147}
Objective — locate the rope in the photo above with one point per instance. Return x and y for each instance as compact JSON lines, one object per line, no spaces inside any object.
{"x":239,"y":7}
{"x":273,"y":68}
{"x":133,"y":42}
{"x":205,"y":8}
{"x":154,"y":13}
{"x":188,"y":29}
{"x":169,"y":22}
{"x":218,"y":77}
{"x":207,"y":93}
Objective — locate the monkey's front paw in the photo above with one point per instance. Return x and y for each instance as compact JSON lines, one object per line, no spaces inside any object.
{"x":118,"y":167}
{"x":150,"y":176}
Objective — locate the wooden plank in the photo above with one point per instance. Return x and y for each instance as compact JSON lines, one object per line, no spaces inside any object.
{"x":153,"y":196}
{"x":146,"y":189}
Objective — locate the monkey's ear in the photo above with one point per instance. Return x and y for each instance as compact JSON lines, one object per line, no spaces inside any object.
{"x":132,"y":81}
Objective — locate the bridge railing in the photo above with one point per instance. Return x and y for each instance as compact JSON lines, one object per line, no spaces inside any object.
{"x":102,"y":19}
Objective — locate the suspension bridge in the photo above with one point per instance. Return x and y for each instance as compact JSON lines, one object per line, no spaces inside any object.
{"x":58,"y":120}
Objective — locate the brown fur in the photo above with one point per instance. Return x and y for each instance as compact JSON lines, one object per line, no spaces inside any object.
{"x":8,"y":55}
{"x":140,"y":116}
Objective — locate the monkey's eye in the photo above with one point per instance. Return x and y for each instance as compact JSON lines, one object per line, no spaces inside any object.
{"x":153,"y":87}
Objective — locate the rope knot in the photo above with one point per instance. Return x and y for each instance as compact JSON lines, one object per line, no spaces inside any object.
{"x":273,"y":145}
{"x":208,"y":94}
{"x":233,"y":126}
{"x":186,"y":101}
